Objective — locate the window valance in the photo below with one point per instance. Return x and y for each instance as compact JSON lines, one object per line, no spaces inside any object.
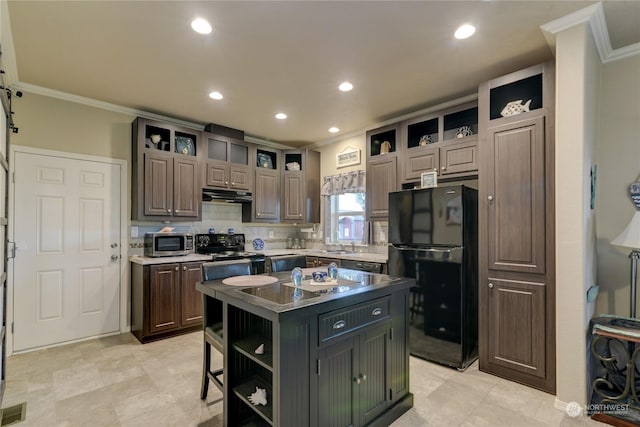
{"x":349,"y":182}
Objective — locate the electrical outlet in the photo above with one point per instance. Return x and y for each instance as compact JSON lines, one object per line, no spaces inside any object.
{"x":134,"y":231}
{"x":270,"y":234}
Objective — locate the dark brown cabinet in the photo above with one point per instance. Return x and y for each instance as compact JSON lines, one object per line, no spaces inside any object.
{"x":171,"y":186}
{"x":517,"y":229}
{"x":517,"y":309}
{"x":228,"y":163}
{"x":266,"y":200}
{"x":164,"y":299}
{"x":445,"y":142}
{"x":301,"y":186}
{"x":381,"y":180}
{"x":266,"y":197}
{"x":165,"y":172}
{"x":382,"y":170}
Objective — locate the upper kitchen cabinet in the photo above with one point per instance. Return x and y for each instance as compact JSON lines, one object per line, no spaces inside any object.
{"x":165,"y":172}
{"x":517,"y":227}
{"x":228,"y":163}
{"x":266,"y":197}
{"x":445,"y":142}
{"x":381,"y":180}
{"x":382,"y":169}
{"x":300,"y":198}
{"x":383,"y":140}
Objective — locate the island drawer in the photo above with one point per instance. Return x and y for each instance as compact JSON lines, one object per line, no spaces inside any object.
{"x":339,"y":322}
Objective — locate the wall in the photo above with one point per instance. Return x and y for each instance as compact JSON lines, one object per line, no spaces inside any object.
{"x":618,"y":166}
{"x":54,"y":124}
{"x":577,"y":80}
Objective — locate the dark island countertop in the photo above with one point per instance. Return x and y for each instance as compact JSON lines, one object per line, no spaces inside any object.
{"x":281,"y":297}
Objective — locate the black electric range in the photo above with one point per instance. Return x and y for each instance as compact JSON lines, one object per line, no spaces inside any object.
{"x":228,"y":247}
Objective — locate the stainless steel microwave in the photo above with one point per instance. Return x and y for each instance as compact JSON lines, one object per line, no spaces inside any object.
{"x":167,"y":244}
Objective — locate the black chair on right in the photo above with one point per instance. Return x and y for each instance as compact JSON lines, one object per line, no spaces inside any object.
{"x":287,"y":262}
{"x":212,"y":316}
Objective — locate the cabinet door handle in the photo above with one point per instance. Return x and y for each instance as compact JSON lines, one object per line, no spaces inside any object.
{"x":443,"y":168}
{"x":177,"y":211}
{"x":490,"y":198}
{"x":490,"y":285}
{"x":177,"y":268}
{"x":169,"y":210}
{"x":226,"y":183}
{"x":363,"y":377}
{"x":356,"y":380}
{"x":339,"y":324}
{"x":376,"y":311}
{"x":184,"y":268}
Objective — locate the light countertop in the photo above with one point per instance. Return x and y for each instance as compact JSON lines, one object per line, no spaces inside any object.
{"x":145,"y":260}
{"x":355,"y":256}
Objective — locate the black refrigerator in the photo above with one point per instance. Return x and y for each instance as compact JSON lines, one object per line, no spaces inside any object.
{"x":433,"y":237}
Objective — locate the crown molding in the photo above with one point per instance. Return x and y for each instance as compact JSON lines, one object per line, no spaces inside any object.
{"x":65,"y":96}
{"x":594,"y":16}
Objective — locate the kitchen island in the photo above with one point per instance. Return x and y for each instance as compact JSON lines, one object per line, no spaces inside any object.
{"x":334,"y":353}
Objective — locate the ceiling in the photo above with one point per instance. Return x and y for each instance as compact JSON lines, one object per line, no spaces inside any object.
{"x":266,"y":57}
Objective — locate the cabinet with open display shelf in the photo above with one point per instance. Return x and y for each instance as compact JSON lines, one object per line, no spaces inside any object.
{"x":445,"y":142}
{"x":165,"y":169}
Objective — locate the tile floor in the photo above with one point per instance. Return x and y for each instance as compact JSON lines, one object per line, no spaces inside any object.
{"x":116,"y":381}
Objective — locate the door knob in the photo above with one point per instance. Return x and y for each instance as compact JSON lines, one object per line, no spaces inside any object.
{"x":114,"y":257}
{"x":490,"y":285}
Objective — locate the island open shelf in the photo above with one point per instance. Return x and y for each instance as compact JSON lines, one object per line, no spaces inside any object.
{"x":368,"y":362}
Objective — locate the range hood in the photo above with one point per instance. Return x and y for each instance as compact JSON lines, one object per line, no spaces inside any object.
{"x":226,"y":196}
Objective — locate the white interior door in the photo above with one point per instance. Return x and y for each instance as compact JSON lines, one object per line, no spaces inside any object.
{"x":67,"y":263}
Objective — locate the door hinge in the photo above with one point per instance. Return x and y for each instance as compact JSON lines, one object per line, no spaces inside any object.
{"x":390,"y":394}
{"x":318,"y":366}
{"x":13,"y":177}
{"x":391,"y":334}
{"x":11,"y":327}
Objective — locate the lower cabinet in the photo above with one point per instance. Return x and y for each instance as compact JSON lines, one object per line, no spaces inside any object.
{"x":164,"y":299}
{"x":353,"y":378}
{"x":337,"y":364}
{"x":315,"y":261}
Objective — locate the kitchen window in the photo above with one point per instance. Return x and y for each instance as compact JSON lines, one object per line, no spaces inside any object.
{"x":347,"y":217}
{"x":344,"y":208}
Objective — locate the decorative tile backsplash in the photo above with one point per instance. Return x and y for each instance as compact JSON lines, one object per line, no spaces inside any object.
{"x":221,"y":217}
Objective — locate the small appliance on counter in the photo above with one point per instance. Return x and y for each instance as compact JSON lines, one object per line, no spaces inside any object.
{"x":228,"y":247}
{"x":167,"y":244}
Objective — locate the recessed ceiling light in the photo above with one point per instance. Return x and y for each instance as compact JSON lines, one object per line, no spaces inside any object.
{"x":465,"y":31}
{"x":201,"y":26}
{"x":345,"y":86}
{"x":281,"y":116}
{"x":334,"y":130}
{"x":216,"y":95}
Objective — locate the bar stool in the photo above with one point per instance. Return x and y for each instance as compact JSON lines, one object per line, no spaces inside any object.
{"x":212,"y":317}
{"x":287,"y":262}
